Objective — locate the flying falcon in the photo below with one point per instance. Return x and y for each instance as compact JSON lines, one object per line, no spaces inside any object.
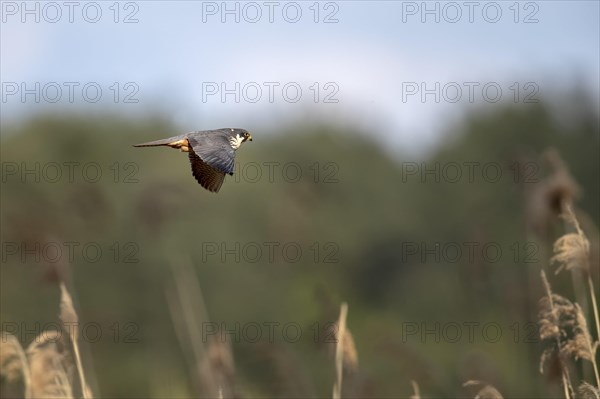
{"x":211,"y":153}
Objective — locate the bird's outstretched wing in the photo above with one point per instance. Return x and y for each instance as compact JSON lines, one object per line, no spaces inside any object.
{"x":214,"y":149}
{"x":208,"y":177}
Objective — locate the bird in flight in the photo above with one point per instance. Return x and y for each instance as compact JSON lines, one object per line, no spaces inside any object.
{"x":211,"y":153}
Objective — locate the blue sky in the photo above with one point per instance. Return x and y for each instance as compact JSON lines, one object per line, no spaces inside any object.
{"x":367,"y":60}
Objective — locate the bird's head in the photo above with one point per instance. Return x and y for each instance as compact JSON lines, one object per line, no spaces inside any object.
{"x":238,"y":136}
{"x":245,"y":135}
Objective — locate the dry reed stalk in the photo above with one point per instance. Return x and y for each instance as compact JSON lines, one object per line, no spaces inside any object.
{"x":183,"y":335}
{"x":416,"y":392}
{"x":339,"y":351}
{"x":49,"y":376}
{"x":13,"y":362}
{"x":70,"y":321}
{"x":350,"y":352}
{"x":213,"y":362}
{"x":594,"y":306}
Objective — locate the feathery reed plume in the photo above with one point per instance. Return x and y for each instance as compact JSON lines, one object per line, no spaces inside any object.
{"x":13,"y":363}
{"x":572,"y":252}
{"x":48,"y":366}
{"x":581,"y":345}
{"x":588,"y":391}
{"x":70,"y":321}
{"x":339,"y":351}
{"x":547,"y":196}
{"x":561,"y":186}
{"x":415,"y":387}
{"x":486,"y":392}
{"x":561,"y":329}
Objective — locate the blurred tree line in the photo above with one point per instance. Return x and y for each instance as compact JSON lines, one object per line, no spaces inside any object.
{"x":378,"y":231}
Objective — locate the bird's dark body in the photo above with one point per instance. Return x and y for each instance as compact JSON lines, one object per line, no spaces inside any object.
{"x":211,"y":153}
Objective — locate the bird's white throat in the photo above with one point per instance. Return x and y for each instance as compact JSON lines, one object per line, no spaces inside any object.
{"x":236,"y":141}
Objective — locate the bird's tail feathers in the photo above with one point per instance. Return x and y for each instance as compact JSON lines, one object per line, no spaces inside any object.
{"x":156,"y":143}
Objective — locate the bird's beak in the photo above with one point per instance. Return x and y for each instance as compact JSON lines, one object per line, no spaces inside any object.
{"x":250,"y":138}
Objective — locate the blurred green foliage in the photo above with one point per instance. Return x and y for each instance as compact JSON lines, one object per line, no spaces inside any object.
{"x":363,"y":200}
